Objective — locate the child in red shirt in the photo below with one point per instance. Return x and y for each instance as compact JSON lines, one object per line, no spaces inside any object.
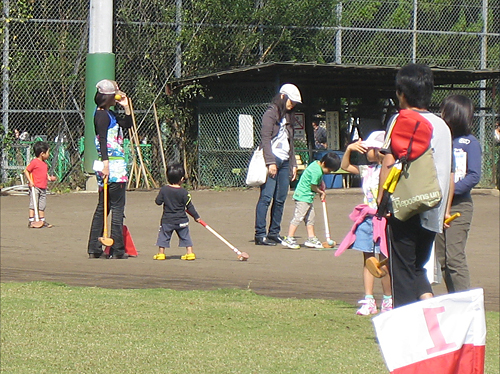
{"x":37,"y":175}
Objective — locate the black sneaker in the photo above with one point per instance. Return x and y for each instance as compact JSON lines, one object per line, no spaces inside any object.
{"x":119,"y":257}
{"x":263,"y":241}
{"x":278,"y":239}
{"x":95,"y":255}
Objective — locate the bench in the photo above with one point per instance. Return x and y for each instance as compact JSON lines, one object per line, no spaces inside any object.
{"x":300,"y":165}
{"x":346,"y":178}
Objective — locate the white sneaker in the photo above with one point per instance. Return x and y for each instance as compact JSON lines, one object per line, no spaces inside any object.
{"x":313,"y":243}
{"x":289,"y":241}
{"x":386,"y":305}
{"x":368,"y":307}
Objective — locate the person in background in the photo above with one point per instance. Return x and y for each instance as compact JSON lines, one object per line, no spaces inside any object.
{"x":21,"y":135}
{"x":457,"y":111}
{"x":309,"y":185}
{"x":37,"y":174}
{"x":279,"y":153}
{"x":320,"y":137}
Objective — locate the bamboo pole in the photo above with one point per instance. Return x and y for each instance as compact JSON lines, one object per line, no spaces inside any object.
{"x":133,"y":169}
{"x":137,"y":144}
{"x":138,"y":163}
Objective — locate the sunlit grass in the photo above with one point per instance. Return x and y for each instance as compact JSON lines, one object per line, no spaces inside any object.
{"x":52,"y":328}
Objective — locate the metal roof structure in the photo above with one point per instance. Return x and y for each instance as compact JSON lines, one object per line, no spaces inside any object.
{"x":344,"y":79}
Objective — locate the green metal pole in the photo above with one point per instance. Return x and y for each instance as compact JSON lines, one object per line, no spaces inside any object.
{"x":99,"y":66}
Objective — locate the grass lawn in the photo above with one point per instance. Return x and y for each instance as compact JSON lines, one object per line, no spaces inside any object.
{"x":53,"y":328}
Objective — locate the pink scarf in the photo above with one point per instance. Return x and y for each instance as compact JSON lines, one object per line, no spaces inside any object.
{"x":358,"y":215}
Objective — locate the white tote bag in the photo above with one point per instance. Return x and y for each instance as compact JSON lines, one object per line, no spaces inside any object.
{"x":257,"y":169}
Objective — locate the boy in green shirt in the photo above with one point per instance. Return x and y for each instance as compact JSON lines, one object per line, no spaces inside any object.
{"x":308,"y":186}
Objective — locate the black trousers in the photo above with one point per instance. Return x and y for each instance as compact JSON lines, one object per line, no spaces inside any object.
{"x":116,"y":204}
{"x":411,"y":247}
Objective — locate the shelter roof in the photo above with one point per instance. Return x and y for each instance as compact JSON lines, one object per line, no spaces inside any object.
{"x":348,"y":79}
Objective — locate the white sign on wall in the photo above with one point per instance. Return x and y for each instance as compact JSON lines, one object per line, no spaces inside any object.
{"x":299,"y":128}
{"x":245,"y":133}
{"x":333,"y":130}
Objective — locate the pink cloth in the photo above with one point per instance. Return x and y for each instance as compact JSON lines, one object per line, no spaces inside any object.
{"x":358,"y":215}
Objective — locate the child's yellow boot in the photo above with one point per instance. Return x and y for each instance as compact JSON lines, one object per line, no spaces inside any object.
{"x":189,"y":257}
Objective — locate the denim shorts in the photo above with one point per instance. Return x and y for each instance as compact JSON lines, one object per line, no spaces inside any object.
{"x":364,"y":237}
{"x":165,"y":234}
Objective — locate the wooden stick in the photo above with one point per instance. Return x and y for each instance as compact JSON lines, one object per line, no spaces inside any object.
{"x":138,"y":163}
{"x":143,"y":168}
{"x":133,"y":173}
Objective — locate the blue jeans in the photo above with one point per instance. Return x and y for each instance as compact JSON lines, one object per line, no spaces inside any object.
{"x":275,"y":189}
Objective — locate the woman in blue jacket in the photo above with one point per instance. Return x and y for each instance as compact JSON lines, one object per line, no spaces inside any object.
{"x":457,"y":111}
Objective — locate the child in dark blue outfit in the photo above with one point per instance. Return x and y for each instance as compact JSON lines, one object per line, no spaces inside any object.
{"x":176,"y":201}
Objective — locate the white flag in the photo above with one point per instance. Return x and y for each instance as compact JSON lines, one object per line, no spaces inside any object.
{"x":445,"y":334}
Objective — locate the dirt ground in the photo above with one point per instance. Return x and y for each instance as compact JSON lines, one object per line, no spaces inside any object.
{"x":59,"y":254}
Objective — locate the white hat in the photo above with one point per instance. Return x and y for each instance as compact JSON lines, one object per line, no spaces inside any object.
{"x":375,"y":140}
{"x":292,"y":92}
{"x":108,"y":87}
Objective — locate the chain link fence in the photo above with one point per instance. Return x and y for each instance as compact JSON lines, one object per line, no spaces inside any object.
{"x":45,"y":45}
{"x":223,"y":159}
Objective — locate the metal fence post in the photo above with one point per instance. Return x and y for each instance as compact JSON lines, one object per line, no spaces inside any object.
{"x":178,"y":47}
{"x":414,"y":34}
{"x":482,"y":93}
{"x":338,"y":35}
{"x":5,"y":79}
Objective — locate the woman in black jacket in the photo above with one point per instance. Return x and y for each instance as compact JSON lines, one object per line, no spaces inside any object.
{"x":277,"y":142}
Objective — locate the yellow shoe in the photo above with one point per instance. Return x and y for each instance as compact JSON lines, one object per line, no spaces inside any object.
{"x":159,"y":256}
{"x":189,"y":257}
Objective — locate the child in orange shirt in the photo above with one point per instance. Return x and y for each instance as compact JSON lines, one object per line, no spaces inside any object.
{"x":37,"y":174}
